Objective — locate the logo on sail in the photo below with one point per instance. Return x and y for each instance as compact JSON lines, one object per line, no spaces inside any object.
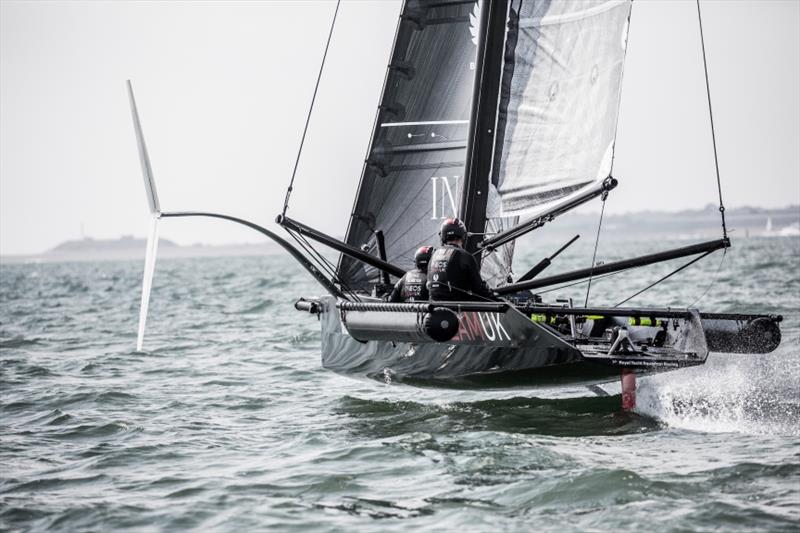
{"x":443,"y":197}
{"x":474,"y":21}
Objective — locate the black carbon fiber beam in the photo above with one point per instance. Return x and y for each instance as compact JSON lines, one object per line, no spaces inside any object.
{"x":480,"y":144}
{"x":294,"y":252}
{"x":616,"y":266}
{"x":339,"y":246}
{"x":654,"y":312}
{"x":521,"y":229}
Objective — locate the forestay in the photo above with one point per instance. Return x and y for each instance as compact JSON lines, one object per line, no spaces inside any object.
{"x":559,"y":99}
{"x":413,"y":176}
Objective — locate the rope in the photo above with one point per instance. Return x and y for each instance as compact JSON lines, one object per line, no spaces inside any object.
{"x":594,"y":254}
{"x":322,"y":263}
{"x":310,"y":109}
{"x":306,"y":247}
{"x":713,"y":280}
{"x":471,"y":294}
{"x":711,"y":117}
{"x":581,"y":282}
{"x":687,"y":265}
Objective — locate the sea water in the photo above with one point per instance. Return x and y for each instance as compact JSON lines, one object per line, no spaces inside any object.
{"x":226,"y":420}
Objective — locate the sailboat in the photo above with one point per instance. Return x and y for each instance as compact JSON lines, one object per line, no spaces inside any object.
{"x":791,"y":230}
{"x":504,"y":114}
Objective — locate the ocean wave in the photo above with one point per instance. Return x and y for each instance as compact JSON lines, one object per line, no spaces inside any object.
{"x":582,"y":416}
{"x":228,"y":421}
{"x":20,"y":341}
{"x":258,"y":308}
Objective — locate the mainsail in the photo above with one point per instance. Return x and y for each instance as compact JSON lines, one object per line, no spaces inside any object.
{"x":560,"y":99}
{"x":413,"y":176}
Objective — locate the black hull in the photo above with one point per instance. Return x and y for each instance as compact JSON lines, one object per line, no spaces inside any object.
{"x":513,"y":353}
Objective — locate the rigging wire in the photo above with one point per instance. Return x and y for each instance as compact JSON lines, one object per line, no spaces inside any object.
{"x":312,"y":252}
{"x":310,"y":110}
{"x":309,"y":248}
{"x":687,"y":265}
{"x":322,"y":262}
{"x":711,"y":117}
{"x":581,"y":282}
{"x":473,"y":295}
{"x":713,"y":280}
{"x":596,"y":241}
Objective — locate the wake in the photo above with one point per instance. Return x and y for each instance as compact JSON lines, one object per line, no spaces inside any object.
{"x":729,"y":394}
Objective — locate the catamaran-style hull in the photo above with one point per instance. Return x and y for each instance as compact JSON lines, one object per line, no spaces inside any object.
{"x":454,"y":366}
{"x":494,"y":349}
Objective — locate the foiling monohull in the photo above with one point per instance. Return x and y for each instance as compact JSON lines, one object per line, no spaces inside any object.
{"x":503,"y":113}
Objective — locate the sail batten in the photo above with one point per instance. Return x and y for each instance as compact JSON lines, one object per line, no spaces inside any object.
{"x":423,"y":123}
{"x":572,"y":16}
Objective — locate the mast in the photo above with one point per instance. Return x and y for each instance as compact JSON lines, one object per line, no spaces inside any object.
{"x":480,"y":143}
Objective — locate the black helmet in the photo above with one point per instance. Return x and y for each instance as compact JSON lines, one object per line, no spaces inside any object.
{"x":422,"y":257}
{"x":451,"y":229}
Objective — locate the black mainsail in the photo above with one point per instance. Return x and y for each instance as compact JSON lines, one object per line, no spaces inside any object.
{"x":413,"y":177}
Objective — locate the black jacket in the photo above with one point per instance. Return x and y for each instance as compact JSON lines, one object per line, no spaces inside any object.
{"x":410,"y":288}
{"x":453,"y":275}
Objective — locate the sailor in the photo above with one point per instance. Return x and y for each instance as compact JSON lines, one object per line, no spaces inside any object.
{"x":412,"y":286}
{"x":453,"y":273}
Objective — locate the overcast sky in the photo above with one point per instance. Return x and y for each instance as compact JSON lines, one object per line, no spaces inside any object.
{"x":223,"y":89}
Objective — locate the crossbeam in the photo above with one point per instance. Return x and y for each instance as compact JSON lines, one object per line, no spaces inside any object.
{"x":616,"y":266}
{"x":343,"y":247}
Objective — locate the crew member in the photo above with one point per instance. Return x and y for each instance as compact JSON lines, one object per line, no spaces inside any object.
{"x":412,"y":286}
{"x":453,"y":273}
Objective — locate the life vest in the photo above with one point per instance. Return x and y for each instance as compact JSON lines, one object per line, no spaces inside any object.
{"x":453,"y":274}
{"x":414,"y":286}
{"x":444,"y":274}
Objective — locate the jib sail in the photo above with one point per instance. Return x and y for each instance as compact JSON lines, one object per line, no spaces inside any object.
{"x":559,"y":99}
{"x":413,"y":176}
{"x":555,"y":101}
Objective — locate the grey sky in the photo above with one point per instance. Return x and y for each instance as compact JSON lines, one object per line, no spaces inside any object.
{"x":223,"y":90}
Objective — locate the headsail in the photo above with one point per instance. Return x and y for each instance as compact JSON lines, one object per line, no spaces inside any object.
{"x":560,"y":99}
{"x":413,"y":176}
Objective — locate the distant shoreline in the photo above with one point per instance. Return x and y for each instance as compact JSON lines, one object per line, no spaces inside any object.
{"x":744,"y":222}
{"x":136,"y":253}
